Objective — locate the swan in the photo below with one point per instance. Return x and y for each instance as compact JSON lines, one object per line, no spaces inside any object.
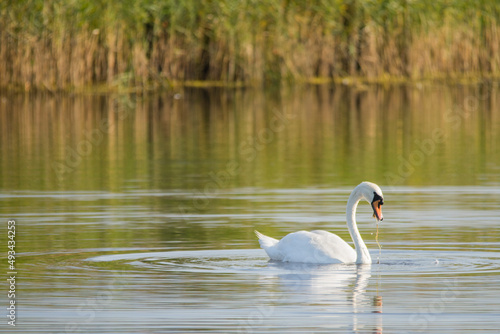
{"x":325,"y":247}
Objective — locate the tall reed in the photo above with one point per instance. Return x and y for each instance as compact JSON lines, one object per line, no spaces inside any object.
{"x":53,"y":44}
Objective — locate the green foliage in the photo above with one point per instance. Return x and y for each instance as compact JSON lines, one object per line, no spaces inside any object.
{"x":243,"y":40}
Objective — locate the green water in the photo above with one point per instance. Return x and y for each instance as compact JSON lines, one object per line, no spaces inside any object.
{"x":201,"y":169}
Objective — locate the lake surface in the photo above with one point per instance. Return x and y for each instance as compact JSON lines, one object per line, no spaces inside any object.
{"x":136,"y":214}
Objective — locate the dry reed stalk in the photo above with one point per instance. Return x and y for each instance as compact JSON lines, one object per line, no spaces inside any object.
{"x":140,"y":64}
{"x":5,"y":71}
{"x":111,"y":41}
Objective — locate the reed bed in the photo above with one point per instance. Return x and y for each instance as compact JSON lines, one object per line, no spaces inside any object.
{"x":49,"y":44}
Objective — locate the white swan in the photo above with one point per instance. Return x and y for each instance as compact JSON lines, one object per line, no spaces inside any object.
{"x":326,"y":247}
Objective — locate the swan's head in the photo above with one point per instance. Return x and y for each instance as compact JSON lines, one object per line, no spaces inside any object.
{"x":373,"y":195}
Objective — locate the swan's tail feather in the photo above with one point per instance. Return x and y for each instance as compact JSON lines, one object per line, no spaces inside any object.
{"x":268,"y":243}
{"x":265,"y":241}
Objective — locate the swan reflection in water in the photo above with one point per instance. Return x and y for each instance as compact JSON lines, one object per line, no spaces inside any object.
{"x":335,"y":290}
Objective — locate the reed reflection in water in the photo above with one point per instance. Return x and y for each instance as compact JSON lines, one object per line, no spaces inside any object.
{"x":244,"y":138}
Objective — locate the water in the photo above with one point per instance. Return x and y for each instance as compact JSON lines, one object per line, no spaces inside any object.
{"x":136,"y":214}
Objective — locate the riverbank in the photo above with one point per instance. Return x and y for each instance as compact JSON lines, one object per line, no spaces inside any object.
{"x":153,"y":45}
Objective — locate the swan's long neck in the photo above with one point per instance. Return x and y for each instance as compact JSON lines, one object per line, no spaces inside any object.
{"x":362,"y":253}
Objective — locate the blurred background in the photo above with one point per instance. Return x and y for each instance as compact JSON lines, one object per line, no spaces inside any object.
{"x":148,"y":44}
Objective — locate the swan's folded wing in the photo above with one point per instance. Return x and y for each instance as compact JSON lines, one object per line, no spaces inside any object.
{"x":315,"y":247}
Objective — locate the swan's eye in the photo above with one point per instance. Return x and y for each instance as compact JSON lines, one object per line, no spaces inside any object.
{"x":377,"y":197}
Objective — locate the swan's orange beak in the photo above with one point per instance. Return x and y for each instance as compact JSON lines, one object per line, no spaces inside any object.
{"x":377,"y":209}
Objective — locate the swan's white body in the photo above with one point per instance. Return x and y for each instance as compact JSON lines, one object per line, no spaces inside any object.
{"x":323,"y":246}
